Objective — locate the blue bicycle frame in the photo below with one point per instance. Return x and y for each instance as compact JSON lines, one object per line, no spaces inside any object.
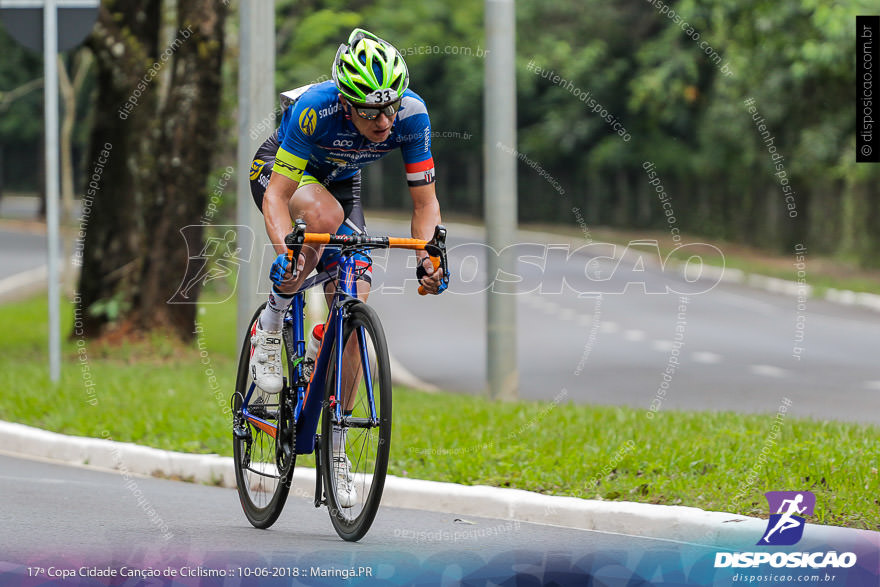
{"x":310,"y":398}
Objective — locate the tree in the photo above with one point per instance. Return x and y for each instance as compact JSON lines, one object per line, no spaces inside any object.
{"x":158,"y":101}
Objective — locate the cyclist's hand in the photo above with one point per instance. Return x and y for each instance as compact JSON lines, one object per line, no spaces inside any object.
{"x":434,"y":282}
{"x":283,"y":270}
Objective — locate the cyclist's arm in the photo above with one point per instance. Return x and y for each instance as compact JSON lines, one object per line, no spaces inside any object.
{"x":290,"y":164}
{"x":426,"y":216}
{"x":426,"y":212}
{"x":419,"y":164}
{"x":275,"y":209}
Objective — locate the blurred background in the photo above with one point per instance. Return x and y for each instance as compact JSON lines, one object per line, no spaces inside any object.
{"x":794,"y":58}
{"x":729,"y":122}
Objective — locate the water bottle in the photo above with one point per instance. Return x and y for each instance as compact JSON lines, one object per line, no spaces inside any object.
{"x":312,"y":350}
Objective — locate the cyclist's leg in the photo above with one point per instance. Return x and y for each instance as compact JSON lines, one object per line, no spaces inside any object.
{"x":314,"y":204}
{"x":311,"y":202}
{"x":348,"y":194}
{"x":322,"y":212}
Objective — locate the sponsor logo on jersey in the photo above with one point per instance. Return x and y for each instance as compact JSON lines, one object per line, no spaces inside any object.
{"x":307,"y":121}
{"x":329,"y":110}
{"x":256,"y":168}
{"x":343,"y":143}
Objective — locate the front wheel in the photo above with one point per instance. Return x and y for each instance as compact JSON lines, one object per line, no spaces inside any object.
{"x":355,"y":447}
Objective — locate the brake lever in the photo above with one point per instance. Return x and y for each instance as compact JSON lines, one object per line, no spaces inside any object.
{"x":436,"y":249}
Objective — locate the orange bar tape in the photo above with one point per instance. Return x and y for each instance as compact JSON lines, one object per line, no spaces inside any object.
{"x":407,"y":243}
{"x":316,"y":238}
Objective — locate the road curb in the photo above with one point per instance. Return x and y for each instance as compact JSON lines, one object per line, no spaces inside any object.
{"x":678,"y":523}
{"x":21,"y":285}
{"x":400,"y":375}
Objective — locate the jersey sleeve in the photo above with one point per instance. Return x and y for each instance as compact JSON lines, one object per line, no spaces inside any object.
{"x":416,"y":148}
{"x":300,"y":130}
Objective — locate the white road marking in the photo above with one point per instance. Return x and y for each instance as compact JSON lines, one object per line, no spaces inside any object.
{"x":566,"y":314}
{"x":767,"y":371}
{"x":706,"y":357}
{"x":872,"y":385}
{"x":542,"y":303}
{"x":745,"y":302}
{"x":661,"y":345}
{"x":585,"y":320}
{"x":634,"y":335}
{"x":609,"y":327}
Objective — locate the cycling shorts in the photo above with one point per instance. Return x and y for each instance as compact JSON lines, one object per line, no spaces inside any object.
{"x":347,"y":192}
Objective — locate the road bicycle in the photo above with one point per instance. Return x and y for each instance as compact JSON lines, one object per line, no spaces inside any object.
{"x":269,"y":431}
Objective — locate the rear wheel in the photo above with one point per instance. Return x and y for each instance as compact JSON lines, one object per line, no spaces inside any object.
{"x":263,"y":459}
{"x":366,"y":441}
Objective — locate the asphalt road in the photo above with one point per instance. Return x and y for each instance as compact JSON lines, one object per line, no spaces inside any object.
{"x":20,"y":251}
{"x":63,"y":517}
{"x":736,"y":347}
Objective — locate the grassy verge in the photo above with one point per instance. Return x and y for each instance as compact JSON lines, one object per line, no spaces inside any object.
{"x":161,"y":394}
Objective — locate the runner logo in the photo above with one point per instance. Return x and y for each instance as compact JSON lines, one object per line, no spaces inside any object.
{"x":212,"y":258}
{"x":786,"y":526}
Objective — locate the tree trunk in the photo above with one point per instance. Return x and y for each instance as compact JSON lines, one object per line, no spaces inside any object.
{"x":69,"y":88}
{"x":157,"y":158}
{"x":68,"y":100}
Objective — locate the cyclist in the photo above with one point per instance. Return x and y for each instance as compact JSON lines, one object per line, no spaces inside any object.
{"x":310,"y":169}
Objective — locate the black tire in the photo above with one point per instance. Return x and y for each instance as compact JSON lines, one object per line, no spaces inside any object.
{"x":263,"y":478}
{"x":367,"y":448}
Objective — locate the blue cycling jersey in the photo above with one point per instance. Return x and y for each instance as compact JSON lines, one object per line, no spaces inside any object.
{"x":317,"y":138}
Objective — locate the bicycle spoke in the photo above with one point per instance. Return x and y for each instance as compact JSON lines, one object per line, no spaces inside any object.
{"x":367,"y":440}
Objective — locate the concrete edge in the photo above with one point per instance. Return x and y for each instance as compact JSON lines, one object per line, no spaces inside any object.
{"x":707,"y":272}
{"x":22,"y":285}
{"x":683,"y":524}
{"x":403,"y":376}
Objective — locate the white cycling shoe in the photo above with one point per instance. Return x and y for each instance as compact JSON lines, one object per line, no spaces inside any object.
{"x":345,"y":490}
{"x":266,"y":359}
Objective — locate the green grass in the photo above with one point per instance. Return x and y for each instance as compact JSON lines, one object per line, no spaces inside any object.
{"x":159,"y":394}
{"x":680,"y":458}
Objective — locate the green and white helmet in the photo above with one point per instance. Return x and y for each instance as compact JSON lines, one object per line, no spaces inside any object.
{"x":369,"y":70}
